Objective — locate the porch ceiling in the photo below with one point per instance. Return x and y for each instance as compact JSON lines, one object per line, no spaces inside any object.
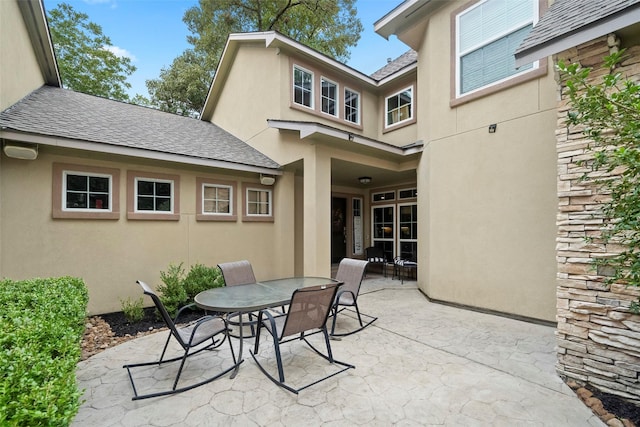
{"x":344,"y":173}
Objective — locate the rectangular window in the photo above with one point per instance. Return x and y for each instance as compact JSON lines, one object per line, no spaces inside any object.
{"x":487,"y":35}
{"x":399,"y":107}
{"x":356,"y":208}
{"x":215,"y":200}
{"x":384,"y":197}
{"x":351,"y":106}
{"x":85,"y":192}
{"x":258,"y":203}
{"x":408,"y":231}
{"x":329,"y":97}
{"x":409,"y":193}
{"x":383,"y":224}
{"x":153,"y":196}
{"x":302,"y":87}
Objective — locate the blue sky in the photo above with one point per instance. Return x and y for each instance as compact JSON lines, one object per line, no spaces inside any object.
{"x":152,"y":34}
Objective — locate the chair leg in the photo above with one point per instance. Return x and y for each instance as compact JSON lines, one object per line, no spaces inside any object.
{"x":276,"y":345}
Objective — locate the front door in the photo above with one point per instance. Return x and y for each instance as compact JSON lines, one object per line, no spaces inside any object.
{"x":338,"y":229}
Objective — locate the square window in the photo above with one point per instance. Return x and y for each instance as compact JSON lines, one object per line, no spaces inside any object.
{"x":258,"y":203}
{"x":153,"y":196}
{"x":215,"y":200}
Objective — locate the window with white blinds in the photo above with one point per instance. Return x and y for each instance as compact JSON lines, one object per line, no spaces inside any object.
{"x":487,"y":36}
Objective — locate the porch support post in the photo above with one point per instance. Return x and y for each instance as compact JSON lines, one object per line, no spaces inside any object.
{"x":317,"y":214}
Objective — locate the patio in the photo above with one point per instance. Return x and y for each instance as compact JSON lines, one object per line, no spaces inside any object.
{"x":419,"y":364}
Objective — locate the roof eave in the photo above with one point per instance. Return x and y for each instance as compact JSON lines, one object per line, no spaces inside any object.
{"x":577,"y":37}
{"x":35,"y":20}
{"x":20,"y":136}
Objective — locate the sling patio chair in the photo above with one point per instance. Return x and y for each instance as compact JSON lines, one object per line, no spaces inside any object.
{"x":239,"y":273}
{"x":350,"y":273}
{"x":308,"y":311}
{"x":193,"y":338}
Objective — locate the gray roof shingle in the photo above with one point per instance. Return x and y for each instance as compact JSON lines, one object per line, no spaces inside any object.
{"x":63,"y":113}
{"x":567,"y":16}
{"x":408,"y":58}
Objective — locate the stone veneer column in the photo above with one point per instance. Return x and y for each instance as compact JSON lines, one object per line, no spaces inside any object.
{"x":598,"y":338}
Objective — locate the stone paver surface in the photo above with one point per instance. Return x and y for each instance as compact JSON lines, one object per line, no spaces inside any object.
{"x":419,"y":364}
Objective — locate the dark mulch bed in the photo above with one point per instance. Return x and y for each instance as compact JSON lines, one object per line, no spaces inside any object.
{"x":122,"y":327}
{"x":152,"y":320}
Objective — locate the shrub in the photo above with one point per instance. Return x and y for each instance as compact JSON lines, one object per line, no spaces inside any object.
{"x":41,"y":326}
{"x":133,"y":309}
{"x":201,"y":278}
{"x":173,"y":294}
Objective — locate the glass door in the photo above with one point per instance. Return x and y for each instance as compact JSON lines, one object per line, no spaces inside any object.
{"x":383,"y":224}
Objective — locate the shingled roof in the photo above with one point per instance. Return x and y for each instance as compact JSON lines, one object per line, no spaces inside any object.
{"x":62,"y":113}
{"x":566,"y":18}
{"x":406,"y":59}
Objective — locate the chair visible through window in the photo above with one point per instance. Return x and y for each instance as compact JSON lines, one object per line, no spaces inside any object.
{"x":308,"y":311}
{"x":350,"y":273}
{"x":206,"y":333}
{"x":375,"y":256}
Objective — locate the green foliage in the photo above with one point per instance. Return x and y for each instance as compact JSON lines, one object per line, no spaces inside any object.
{"x":329,"y":26}
{"x":609,"y":112}
{"x":133,"y":309}
{"x":173,"y":294}
{"x":179,"y":289}
{"x":85,"y":62}
{"x":201,"y":278}
{"x":41,"y":326}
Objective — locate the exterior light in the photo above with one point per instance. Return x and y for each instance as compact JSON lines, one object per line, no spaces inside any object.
{"x":364,"y":179}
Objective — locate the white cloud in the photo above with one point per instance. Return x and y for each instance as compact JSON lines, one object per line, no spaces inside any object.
{"x":120,"y":52}
{"x":113,"y":3}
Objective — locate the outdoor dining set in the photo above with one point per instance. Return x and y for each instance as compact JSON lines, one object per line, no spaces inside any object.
{"x":289,"y":309}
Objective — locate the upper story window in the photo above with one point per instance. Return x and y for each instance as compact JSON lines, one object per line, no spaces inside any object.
{"x":399,"y":107}
{"x":302,"y":86}
{"x":487,"y":35}
{"x":329,"y":96}
{"x":85,"y":192}
{"x":351,"y":106}
{"x":152,"y":196}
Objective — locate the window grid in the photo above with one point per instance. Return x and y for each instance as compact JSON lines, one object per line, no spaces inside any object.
{"x":399,"y":107}
{"x":216,"y":199}
{"x":329,"y":97}
{"x":351,"y":106}
{"x":258,"y":202}
{"x":86,"y":192}
{"x":302,"y":87}
{"x":153,"y":195}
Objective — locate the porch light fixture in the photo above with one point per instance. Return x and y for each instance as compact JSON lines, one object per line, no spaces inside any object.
{"x":267,"y":179}
{"x":364,"y":179}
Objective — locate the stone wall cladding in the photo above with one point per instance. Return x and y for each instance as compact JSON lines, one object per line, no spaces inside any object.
{"x":598,"y":338}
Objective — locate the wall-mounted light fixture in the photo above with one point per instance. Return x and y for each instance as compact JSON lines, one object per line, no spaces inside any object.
{"x":364,"y":179}
{"x":21,"y":151}
{"x":267,"y":179}
{"x":493,"y":127}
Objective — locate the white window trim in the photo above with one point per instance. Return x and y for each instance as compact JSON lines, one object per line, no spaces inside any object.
{"x":153,"y":212}
{"x":357,"y":122}
{"x":388,"y":125}
{"x":336,"y":101}
{"x":270,"y":205}
{"x":459,"y":54}
{"x":89,"y":174}
{"x":231,"y":195}
{"x":293,"y":86}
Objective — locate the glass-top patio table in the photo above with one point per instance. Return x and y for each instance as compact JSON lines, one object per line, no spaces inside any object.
{"x":254,"y":297}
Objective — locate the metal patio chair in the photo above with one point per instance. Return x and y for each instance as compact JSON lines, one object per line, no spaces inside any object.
{"x":375,"y":256}
{"x":239,"y":273}
{"x":193,"y":336}
{"x":308,"y":311}
{"x":350,"y":273}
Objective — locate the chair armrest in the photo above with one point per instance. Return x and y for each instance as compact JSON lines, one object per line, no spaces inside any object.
{"x":201,"y":321}
{"x":175,"y":319}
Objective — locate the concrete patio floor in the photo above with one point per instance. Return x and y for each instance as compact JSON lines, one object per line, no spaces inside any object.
{"x":420,"y":364}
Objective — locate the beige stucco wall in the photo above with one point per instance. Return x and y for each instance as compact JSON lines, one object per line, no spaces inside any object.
{"x":486,"y":201}
{"x":19,"y":70}
{"x":110,"y":255}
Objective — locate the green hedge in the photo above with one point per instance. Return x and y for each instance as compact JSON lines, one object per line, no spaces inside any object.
{"x":41,"y":327}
